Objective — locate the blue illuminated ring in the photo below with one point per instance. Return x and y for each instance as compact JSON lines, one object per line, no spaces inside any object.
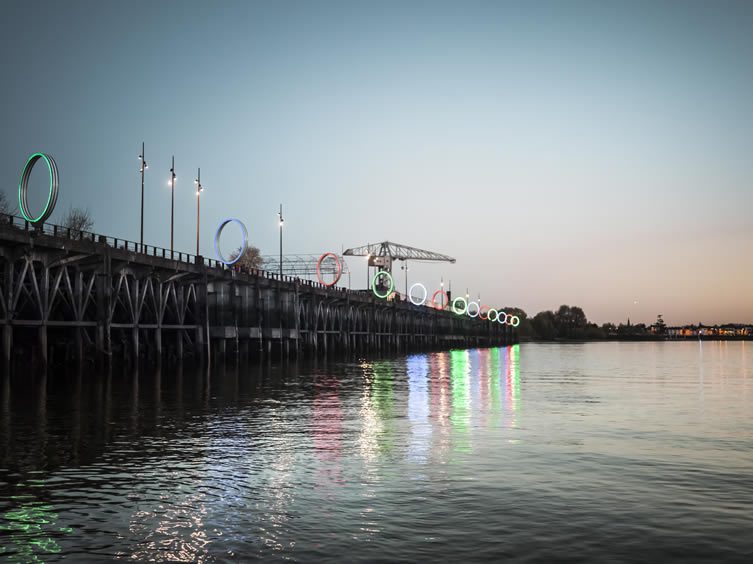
{"x":502,"y":317}
{"x":217,"y":235}
{"x":455,"y":308}
{"x":23,"y":188}
{"x":410,"y":294}
{"x":468,"y":309}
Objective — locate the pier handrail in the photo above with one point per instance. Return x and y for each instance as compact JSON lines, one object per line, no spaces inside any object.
{"x":60,"y":231}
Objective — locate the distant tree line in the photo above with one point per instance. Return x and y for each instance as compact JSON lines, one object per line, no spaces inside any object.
{"x":570,"y":322}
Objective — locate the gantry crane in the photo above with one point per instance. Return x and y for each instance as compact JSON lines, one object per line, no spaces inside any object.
{"x":382,"y":254}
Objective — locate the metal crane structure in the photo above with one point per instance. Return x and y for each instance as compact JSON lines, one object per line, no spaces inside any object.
{"x":302,"y":266}
{"x":382,"y":254}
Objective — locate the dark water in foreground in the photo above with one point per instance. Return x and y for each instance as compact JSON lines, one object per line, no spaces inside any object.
{"x":606,"y":451}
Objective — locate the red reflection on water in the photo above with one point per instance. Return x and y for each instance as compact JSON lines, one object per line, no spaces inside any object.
{"x":328,"y":427}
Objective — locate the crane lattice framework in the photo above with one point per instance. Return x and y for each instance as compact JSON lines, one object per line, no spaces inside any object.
{"x":395,"y":251}
{"x":301,"y":265}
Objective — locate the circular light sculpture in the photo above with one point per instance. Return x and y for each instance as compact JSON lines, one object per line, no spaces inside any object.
{"x":456,"y":309}
{"x":514,"y":320}
{"x":23,"y":188}
{"x":483,"y":313}
{"x":502,"y":318}
{"x":319,"y":269}
{"x":445,"y":299}
{"x":374,"y":288}
{"x":410,"y":294}
{"x":218,"y":234}
{"x":478,"y":309}
{"x":493,"y":315}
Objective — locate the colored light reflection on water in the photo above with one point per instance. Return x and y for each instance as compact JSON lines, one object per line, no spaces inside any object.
{"x":627,"y":451}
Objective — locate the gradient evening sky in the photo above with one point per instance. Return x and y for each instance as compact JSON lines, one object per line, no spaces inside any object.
{"x":588,"y":153}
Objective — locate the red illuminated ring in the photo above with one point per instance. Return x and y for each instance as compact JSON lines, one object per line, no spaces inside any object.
{"x":444,"y":301}
{"x":319,"y":270}
{"x":484,"y":314}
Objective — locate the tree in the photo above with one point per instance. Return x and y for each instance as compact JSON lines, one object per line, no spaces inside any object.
{"x":543,"y":324}
{"x":251,"y":259}
{"x":661,"y":327}
{"x":5,"y":205}
{"x":571,"y":322}
{"x":78,"y":220}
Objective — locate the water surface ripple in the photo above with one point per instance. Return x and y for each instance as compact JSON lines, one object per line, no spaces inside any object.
{"x":625,"y":452}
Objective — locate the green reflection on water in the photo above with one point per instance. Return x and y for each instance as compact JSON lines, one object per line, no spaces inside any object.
{"x":26,"y":530}
{"x":380,"y":406}
{"x":512,"y":389}
{"x":460,"y":414}
{"x":495,"y":399}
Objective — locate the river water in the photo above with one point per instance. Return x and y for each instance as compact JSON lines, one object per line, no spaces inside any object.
{"x":627,"y":452}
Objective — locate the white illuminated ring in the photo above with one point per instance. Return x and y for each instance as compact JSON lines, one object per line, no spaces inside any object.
{"x":468,"y":309}
{"x":455,"y":307}
{"x":514,"y":320}
{"x":502,"y":317}
{"x":410,"y":294}
{"x":489,"y":315}
{"x":244,"y":246}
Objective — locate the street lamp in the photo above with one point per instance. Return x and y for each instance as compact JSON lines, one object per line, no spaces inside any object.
{"x":172,"y":208}
{"x":405,"y":268}
{"x":199,"y":190}
{"x":282,"y":221}
{"x":143,"y":167}
{"x":441,"y":285}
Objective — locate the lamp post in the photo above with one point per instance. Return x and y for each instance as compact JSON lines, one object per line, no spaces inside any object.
{"x":199,"y":190}
{"x":172,"y":208}
{"x":282,"y":221}
{"x":441,"y":285}
{"x":405,"y":267}
{"x":143,"y":167}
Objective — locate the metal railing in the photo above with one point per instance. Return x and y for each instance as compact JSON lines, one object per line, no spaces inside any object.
{"x":72,"y":234}
{"x":60,"y":231}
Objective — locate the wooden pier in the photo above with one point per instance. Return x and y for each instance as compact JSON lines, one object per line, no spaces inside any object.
{"x":81,"y":295}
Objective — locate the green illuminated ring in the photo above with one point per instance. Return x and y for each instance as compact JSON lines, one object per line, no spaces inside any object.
{"x":373,"y":284}
{"x":489,"y":315}
{"x":455,"y":308}
{"x":23,"y":188}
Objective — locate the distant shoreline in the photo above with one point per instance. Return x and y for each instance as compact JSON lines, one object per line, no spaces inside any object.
{"x":642,"y":338}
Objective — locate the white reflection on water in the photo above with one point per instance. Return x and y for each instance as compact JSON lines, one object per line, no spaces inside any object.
{"x":417,"y":367}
